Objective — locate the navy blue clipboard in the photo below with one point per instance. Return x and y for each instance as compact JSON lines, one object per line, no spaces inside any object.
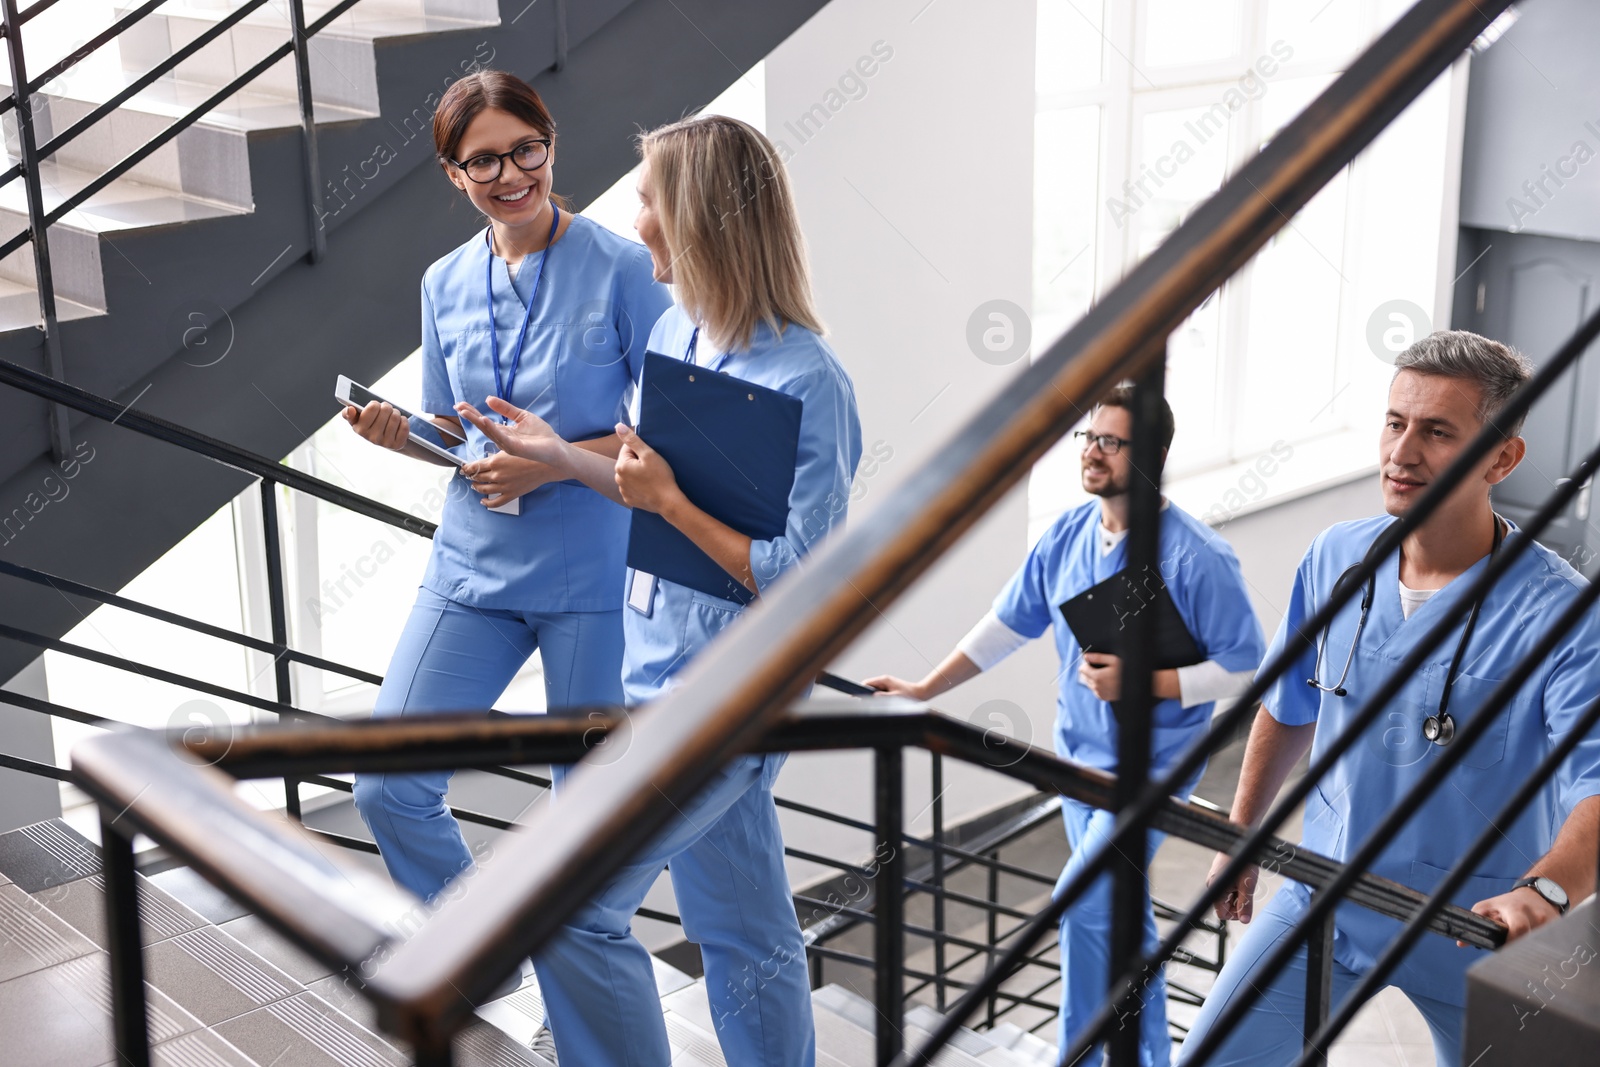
{"x":732,"y":447}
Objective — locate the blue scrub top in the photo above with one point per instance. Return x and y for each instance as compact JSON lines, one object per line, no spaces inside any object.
{"x":1202,"y":575}
{"x":585,"y":345}
{"x":682,"y":621}
{"x":1368,"y":782}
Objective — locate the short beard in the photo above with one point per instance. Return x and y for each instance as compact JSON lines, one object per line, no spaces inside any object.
{"x":1111,"y":488}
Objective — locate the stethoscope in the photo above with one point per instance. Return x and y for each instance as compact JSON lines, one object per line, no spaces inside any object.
{"x":1440,"y":727}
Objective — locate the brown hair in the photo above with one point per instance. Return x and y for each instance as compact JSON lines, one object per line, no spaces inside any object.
{"x":483,"y":91}
{"x":1121,"y":396}
{"x":722,"y":195}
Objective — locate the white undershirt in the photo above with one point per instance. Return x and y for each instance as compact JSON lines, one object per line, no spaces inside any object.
{"x":1109,"y":540}
{"x":1412,"y":599}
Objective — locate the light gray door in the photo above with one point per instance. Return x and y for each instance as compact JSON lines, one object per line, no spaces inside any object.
{"x":1532,"y":292}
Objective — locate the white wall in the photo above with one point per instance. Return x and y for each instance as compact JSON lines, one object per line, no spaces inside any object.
{"x":915,"y":191}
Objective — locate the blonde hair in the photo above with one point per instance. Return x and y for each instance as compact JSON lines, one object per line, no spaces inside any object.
{"x":722,"y":196}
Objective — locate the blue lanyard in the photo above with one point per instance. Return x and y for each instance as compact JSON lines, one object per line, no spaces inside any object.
{"x":503,"y":389}
{"x":688,"y":355}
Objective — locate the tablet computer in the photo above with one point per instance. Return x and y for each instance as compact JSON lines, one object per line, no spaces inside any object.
{"x":354,"y":394}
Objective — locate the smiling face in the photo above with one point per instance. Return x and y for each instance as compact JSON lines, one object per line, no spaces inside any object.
{"x":1431,"y":418}
{"x":648,"y":223}
{"x":1103,"y":475}
{"x":517,"y":199}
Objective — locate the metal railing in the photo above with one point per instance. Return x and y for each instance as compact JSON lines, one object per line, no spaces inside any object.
{"x":737,"y":696}
{"x":264,"y":865}
{"x":32,"y":153}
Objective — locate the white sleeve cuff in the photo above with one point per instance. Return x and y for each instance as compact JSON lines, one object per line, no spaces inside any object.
{"x":1205,"y":683}
{"x":989,"y":642}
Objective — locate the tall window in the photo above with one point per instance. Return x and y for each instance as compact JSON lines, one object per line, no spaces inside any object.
{"x":1145,"y":107}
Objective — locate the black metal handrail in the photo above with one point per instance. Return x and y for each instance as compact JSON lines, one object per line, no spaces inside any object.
{"x":100,"y":596}
{"x":115,"y":767}
{"x":229,"y":455}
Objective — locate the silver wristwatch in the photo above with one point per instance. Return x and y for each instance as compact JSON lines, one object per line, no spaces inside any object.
{"x":1548,"y":889}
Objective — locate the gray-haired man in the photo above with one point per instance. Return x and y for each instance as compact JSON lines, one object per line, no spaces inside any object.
{"x":1446,"y":387}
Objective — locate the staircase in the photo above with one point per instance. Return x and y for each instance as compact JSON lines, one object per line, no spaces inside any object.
{"x":225,"y":990}
{"x":184,"y":287}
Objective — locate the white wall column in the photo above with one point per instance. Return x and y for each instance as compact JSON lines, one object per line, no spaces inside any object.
{"x":908,"y":130}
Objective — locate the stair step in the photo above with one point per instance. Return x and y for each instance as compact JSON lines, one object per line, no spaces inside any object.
{"x":1032,"y":1048}
{"x":32,"y":937}
{"x":45,"y":855}
{"x":306,"y":1030}
{"x":62,"y":1014}
{"x":82,"y":905}
{"x":343,"y":70}
{"x":691,"y":1045}
{"x":974,"y":1043}
{"x":75,"y":241}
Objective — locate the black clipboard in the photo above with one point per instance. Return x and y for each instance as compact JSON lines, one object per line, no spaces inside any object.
{"x":1103,"y":618}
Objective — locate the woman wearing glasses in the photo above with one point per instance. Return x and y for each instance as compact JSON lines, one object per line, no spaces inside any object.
{"x":719,"y":219}
{"x":549,"y":311}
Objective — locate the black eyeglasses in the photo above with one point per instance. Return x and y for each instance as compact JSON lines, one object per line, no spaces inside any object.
{"x":528,"y":156}
{"x":1110,"y":444}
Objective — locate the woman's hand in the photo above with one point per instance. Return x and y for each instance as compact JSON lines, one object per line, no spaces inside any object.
{"x":527,"y":435}
{"x":644,"y":478}
{"x":502,"y":477}
{"x":379,"y":423}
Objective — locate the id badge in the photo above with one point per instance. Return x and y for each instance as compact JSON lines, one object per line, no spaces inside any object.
{"x":642,"y":592}
{"x":512,"y":506}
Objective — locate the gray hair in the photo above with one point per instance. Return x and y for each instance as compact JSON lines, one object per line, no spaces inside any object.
{"x":1497,"y":369}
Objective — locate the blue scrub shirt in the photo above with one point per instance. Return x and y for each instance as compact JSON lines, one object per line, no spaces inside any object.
{"x":798,"y":362}
{"x":1369,"y":781}
{"x":584,"y":347}
{"x":1202,"y":575}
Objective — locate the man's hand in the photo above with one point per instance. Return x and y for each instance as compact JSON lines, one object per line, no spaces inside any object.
{"x":1239,"y":902}
{"x":1102,"y":673}
{"x":644,"y":478}
{"x":888,"y":683}
{"x":1519,"y":911}
{"x":502,"y":477}
{"x":527,"y":435}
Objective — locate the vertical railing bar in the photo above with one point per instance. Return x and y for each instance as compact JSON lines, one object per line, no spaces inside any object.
{"x":937,"y":785}
{"x":993,"y":930}
{"x":1319,"y":985}
{"x":44,"y":279}
{"x":1137,"y":703}
{"x":308,"y":129}
{"x":889,"y":935}
{"x":129,"y":1012}
{"x":278,"y":613}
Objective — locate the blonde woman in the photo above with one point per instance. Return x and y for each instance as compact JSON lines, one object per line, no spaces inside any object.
{"x":718,"y":217}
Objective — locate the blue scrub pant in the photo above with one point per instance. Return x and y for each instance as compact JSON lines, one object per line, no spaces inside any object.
{"x":1270,"y":1033}
{"x":1086,"y":943}
{"x":452,"y":657}
{"x":726,"y":857}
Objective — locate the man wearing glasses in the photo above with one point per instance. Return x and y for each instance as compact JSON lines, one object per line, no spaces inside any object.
{"x":1084,"y":547}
